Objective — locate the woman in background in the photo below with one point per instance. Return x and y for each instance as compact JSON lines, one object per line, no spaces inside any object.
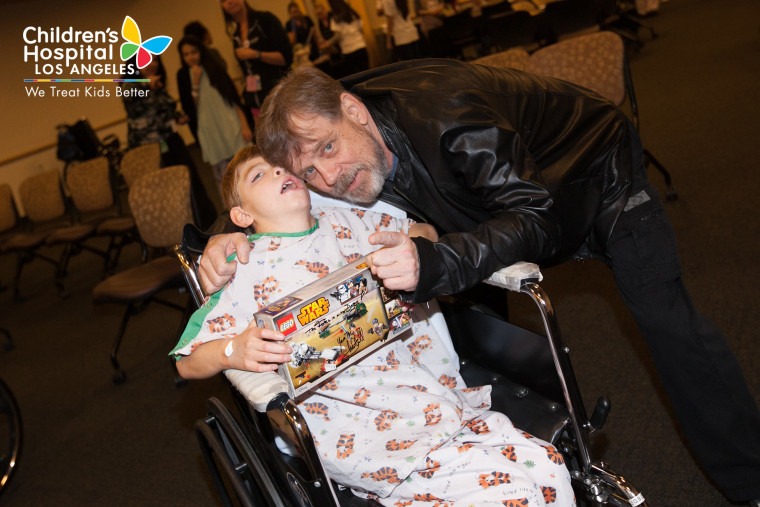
{"x":213,"y":106}
{"x":430,"y":13}
{"x":329,"y":53}
{"x":197,"y":29}
{"x":347,"y":27}
{"x":403,"y":38}
{"x":300,"y":29}
{"x":262,"y":49}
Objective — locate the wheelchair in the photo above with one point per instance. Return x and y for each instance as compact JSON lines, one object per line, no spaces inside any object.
{"x":532,"y":383}
{"x":10,"y":433}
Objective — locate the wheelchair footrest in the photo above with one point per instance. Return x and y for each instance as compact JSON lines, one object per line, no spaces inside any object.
{"x":528,"y":410}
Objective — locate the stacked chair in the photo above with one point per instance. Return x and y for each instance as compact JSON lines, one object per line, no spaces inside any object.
{"x":138,"y":161}
{"x":160,"y":203}
{"x":93,"y":193}
{"x":14,"y":239}
{"x":49,"y":223}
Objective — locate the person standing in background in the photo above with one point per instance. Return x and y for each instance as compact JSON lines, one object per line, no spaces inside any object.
{"x":323,"y":34}
{"x":197,"y":29}
{"x":262,"y":49}
{"x":347,"y":27}
{"x":430,"y":13}
{"x":300,"y":29}
{"x":213,"y":105}
{"x":403,"y":38}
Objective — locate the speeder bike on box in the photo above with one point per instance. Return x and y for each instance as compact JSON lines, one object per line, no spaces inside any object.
{"x":332,"y":323}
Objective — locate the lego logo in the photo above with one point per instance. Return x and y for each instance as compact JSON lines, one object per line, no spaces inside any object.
{"x":286,"y":325}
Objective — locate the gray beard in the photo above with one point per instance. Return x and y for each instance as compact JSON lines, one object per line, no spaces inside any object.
{"x":368,"y":193}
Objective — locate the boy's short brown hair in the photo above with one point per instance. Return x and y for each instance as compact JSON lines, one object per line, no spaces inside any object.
{"x":230,"y":194}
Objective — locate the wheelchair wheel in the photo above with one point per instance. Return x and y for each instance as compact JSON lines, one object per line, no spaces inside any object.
{"x":10,"y":435}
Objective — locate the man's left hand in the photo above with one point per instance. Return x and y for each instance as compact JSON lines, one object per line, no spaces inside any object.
{"x":397,"y":263}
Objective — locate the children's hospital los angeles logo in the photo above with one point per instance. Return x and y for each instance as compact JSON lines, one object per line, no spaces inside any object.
{"x":67,"y":55}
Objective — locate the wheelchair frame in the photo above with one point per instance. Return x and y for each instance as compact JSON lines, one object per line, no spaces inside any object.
{"x":244,"y":458}
{"x":10,"y":446}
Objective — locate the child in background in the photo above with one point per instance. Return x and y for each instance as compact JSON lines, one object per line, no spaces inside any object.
{"x":397,"y":426}
{"x":200,"y":32}
{"x":212,"y":102}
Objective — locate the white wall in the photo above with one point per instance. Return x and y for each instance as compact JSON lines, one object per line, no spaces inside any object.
{"x":29,"y":123}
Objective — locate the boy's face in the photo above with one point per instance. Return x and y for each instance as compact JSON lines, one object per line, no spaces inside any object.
{"x":272,"y":200}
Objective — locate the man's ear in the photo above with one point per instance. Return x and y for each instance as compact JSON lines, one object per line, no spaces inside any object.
{"x":354,"y":108}
{"x":240,"y":217}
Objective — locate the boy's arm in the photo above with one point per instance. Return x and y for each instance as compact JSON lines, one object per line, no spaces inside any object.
{"x":255,"y":349}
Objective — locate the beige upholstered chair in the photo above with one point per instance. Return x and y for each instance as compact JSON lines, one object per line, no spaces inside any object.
{"x":43,"y":200}
{"x":646,"y":7}
{"x":46,"y":210}
{"x":160,"y":203}
{"x":14,"y":240}
{"x":594,"y":61}
{"x":138,"y":161}
{"x":8,"y":212}
{"x":93,"y":194}
{"x":515,"y":58}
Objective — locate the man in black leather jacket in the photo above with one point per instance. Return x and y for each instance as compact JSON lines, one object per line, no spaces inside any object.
{"x":510,"y":167}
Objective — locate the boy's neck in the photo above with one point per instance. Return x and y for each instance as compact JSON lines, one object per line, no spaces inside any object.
{"x":292,"y":229}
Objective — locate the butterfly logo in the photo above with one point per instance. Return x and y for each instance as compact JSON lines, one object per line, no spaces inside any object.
{"x":145,"y":50}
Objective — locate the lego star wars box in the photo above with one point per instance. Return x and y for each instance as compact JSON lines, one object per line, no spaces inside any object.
{"x":332,"y":323}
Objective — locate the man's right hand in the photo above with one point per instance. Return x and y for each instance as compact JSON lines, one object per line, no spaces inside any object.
{"x":214,"y":270}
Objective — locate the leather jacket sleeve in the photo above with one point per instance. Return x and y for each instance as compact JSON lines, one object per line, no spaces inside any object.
{"x":494,"y":167}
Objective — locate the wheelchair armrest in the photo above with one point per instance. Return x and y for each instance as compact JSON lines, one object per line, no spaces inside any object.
{"x":512,"y":277}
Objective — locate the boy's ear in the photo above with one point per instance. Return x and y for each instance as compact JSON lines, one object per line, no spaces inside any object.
{"x":240,"y":217}
{"x":354,"y":108}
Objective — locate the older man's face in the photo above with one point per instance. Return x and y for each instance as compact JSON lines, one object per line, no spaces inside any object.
{"x":345,"y":160}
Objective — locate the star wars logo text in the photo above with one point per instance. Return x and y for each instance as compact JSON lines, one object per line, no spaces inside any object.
{"x":313,"y":311}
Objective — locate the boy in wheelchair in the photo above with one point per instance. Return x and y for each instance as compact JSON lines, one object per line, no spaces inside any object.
{"x":399,"y":426}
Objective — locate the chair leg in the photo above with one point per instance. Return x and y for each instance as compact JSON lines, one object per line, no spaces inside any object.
{"x":63,"y":266}
{"x":22,"y":259}
{"x":111,"y":261}
{"x":116,"y":244}
{"x":144,"y":249}
{"x":132,"y":309}
{"x":9,"y":344}
{"x":670,"y":193}
{"x":25,"y":257}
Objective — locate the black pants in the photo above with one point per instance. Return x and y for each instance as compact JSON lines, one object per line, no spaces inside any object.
{"x":353,"y":63}
{"x":712,"y":403}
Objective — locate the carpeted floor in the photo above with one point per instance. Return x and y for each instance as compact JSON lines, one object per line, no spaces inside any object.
{"x":90,"y":442}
